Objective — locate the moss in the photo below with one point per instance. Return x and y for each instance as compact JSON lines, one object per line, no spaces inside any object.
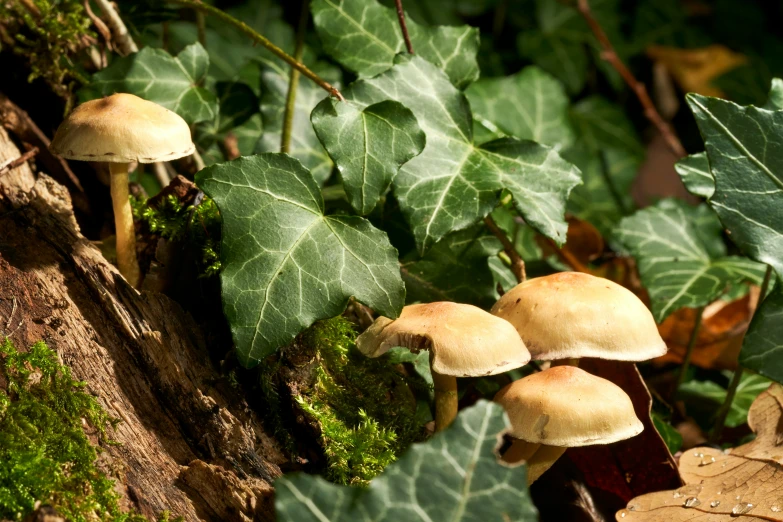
{"x":364,"y":407}
{"x":46,"y":455}
{"x":199,"y":225}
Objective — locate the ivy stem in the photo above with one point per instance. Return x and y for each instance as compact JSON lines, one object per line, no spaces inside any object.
{"x":686,"y":361}
{"x":723,"y":412}
{"x":293,"y":82}
{"x":260,"y":39}
{"x":404,"y":26}
{"x":567,"y":257}
{"x":201,"y":27}
{"x":610,"y":55}
{"x":517,"y":263}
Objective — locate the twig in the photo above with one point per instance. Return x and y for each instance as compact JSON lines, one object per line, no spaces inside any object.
{"x":686,"y":361}
{"x":517,"y":263}
{"x":261,"y":39}
{"x":201,"y":28}
{"x":610,"y":55}
{"x":293,"y":82}
{"x":404,"y":26}
{"x":731,"y":392}
{"x":98,"y":23}
{"x":567,"y":257}
{"x":15,"y":162}
{"x":122,"y":37}
{"x":161,"y":174}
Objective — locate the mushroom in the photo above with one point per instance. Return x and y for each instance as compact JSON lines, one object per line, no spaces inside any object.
{"x":563,"y":407}
{"x":574,"y":315}
{"x":463,"y":341}
{"x":119,"y":130}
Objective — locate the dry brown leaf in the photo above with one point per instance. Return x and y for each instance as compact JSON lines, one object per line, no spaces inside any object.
{"x":584,"y":243}
{"x":694,"y":69}
{"x":720,"y":336}
{"x":743,"y":485}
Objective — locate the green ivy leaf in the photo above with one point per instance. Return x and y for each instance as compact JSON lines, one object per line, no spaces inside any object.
{"x":155,"y":75}
{"x":365,"y":36}
{"x":674,"y":262}
{"x":455,"y":269}
{"x":745,"y":154}
{"x":529,"y":105}
{"x":454,"y":476}
{"x":238,"y":105}
{"x":763,"y":343}
{"x":601,"y":124}
{"x":286,"y":264}
{"x":671,"y":437}
{"x":775,"y":100}
{"x":368,"y":145}
{"x":453,"y":182}
{"x":695,"y":173}
{"x":708,"y":396}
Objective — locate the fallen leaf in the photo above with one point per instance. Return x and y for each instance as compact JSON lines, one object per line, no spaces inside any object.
{"x":694,"y":69}
{"x":744,"y":484}
{"x":630,"y":467}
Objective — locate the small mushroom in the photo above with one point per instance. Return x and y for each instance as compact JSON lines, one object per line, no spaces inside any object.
{"x":575,"y":315}
{"x":563,"y":407}
{"x":119,"y":130}
{"x":463,"y":341}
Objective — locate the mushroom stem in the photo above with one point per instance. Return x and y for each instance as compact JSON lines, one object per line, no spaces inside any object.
{"x":565,"y":362}
{"x":446,"y":403}
{"x":538,"y":457}
{"x":520,"y":450}
{"x":123,"y":223}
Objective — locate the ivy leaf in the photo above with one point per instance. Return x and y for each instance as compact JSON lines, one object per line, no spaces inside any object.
{"x":286,"y":264}
{"x":763,"y":343}
{"x":365,"y":36}
{"x":695,"y":173}
{"x":368,"y":145}
{"x":674,"y":263}
{"x":455,"y":269}
{"x":668,"y":433}
{"x":454,"y":476}
{"x":238,"y":104}
{"x":453,"y":182}
{"x":601,"y":124}
{"x":155,"y":75}
{"x":305,"y":145}
{"x":529,"y":105}
{"x":745,"y":152}
{"x":707,"y":396}
{"x":775,"y":100}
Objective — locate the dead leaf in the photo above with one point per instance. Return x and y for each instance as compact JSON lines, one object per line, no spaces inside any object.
{"x":744,"y":484}
{"x":720,"y":336}
{"x":694,"y":69}
{"x":630,"y":467}
{"x":584,"y":243}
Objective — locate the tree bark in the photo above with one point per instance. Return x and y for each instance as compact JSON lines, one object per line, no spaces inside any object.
{"x":186,"y":443}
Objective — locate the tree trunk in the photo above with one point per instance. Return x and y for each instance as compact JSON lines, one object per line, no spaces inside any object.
{"x":187,"y":444}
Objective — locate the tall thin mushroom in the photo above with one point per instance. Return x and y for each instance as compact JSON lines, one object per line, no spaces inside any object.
{"x":119,"y":130}
{"x":463,"y":341}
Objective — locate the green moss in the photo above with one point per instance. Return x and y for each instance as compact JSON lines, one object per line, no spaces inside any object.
{"x":198,"y":225}
{"x":364,"y":407}
{"x":45,"y":452}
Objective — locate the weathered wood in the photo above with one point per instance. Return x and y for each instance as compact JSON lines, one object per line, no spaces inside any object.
{"x":141,"y":355}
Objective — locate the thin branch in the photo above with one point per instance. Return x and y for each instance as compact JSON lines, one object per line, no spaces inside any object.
{"x":261,"y":39}
{"x":122,"y":38}
{"x":567,"y":257}
{"x":293,"y":82}
{"x":686,"y":361}
{"x":15,"y":162}
{"x":201,"y":28}
{"x":517,"y":263}
{"x":404,"y":26}
{"x":610,"y":55}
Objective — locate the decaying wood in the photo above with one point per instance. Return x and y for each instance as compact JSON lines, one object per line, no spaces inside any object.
{"x":182,"y":436}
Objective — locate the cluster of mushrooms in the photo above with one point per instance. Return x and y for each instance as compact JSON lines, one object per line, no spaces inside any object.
{"x":558,"y":318}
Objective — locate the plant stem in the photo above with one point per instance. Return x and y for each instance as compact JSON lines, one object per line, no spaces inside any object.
{"x":686,"y":361}
{"x":404,"y":26}
{"x":610,"y":55}
{"x":517,"y":263}
{"x":567,"y":257}
{"x":607,"y":175}
{"x":723,"y":412}
{"x":293,"y":82}
{"x":122,"y":38}
{"x":261,"y":39}
{"x":201,"y":27}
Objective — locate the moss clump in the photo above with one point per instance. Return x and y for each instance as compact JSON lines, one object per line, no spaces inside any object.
{"x":364,"y":407}
{"x":45,"y":454}
{"x":199,"y":225}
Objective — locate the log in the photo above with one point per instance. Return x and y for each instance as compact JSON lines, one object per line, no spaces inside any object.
{"x":186,"y":444}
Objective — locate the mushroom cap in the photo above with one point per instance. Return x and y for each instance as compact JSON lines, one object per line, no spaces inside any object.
{"x":568,"y":407}
{"x":463,"y":340}
{"x":574,"y":315}
{"x":122,"y":128}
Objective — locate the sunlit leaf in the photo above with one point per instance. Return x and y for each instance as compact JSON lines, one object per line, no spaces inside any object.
{"x":762,"y":347}
{"x":695,"y":173}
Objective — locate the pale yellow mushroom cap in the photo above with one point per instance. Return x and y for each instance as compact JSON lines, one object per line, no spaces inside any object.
{"x":575,"y":315}
{"x":464,"y":341}
{"x":122,"y":128}
{"x":566,"y":406}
